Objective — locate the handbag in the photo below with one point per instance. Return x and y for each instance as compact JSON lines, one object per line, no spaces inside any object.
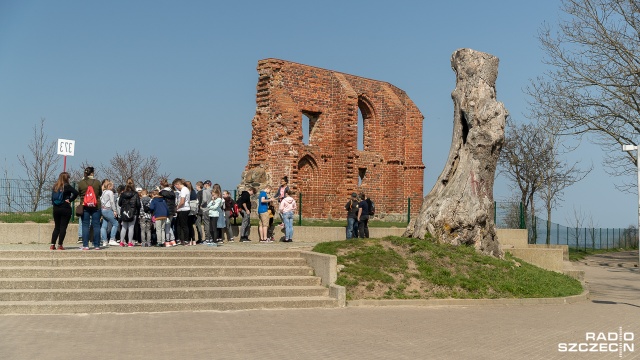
{"x":79,"y":209}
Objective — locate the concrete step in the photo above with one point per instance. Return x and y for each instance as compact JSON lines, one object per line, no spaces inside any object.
{"x":152,"y":271}
{"x":150,"y":261}
{"x":161,"y":294}
{"x":140,"y":282}
{"x":149,"y":252}
{"x":132,"y":306}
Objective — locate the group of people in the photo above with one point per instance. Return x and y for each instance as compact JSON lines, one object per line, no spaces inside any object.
{"x":359,"y":210}
{"x":169,"y":215}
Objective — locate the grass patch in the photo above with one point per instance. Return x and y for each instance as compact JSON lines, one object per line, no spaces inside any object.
{"x":403,"y":268}
{"x":40,"y":217}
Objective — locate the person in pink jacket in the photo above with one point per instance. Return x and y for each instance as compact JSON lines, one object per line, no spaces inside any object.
{"x":287,"y":207}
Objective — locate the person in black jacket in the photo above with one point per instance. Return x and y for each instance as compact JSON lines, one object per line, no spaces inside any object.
{"x":61,"y":209}
{"x":244,"y":204}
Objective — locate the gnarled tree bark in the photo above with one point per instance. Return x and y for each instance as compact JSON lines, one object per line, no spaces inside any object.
{"x":460,"y":209}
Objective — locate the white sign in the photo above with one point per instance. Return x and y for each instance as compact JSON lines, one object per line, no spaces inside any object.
{"x":66,"y":147}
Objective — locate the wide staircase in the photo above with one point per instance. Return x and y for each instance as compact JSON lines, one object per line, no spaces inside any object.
{"x":156,"y":280}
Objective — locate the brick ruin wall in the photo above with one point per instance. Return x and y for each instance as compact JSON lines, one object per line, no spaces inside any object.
{"x":329,"y":167}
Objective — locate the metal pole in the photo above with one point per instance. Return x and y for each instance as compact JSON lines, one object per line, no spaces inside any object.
{"x":408,"y":210}
{"x":300,"y":209}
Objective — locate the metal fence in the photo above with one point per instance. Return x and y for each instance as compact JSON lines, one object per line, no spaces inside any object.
{"x":21,"y":196}
{"x":582,"y":237}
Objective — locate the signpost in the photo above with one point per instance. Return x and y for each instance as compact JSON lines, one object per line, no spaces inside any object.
{"x":66,"y":148}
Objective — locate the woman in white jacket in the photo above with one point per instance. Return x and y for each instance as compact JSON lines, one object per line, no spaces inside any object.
{"x":287,"y":207}
{"x":215,"y":211}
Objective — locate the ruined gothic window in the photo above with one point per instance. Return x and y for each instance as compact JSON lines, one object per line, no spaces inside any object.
{"x":309,"y":121}
{"x":365,"y":115}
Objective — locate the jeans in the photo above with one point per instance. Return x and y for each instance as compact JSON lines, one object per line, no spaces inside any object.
{"x":182,"y":226}
{"x":288,"y":225}
{"x":245,"y":227}
{"x":108,"y":218}
{"x":350,"y":227}
{"x":91,"y":217}
{"x":61,"y":217}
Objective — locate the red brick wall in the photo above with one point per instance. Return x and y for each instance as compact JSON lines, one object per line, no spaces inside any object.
{"x":326,"y":170}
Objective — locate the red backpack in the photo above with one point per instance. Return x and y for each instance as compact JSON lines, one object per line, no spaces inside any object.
{"x":90,"y":198}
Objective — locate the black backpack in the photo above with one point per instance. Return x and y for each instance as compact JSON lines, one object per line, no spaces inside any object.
{"x":128,"y":210}
{"x":372,"y":207}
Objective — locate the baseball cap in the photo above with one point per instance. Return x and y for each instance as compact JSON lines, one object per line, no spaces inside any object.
{"x":207,"y":182}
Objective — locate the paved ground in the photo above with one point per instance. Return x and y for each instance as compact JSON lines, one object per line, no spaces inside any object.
{"x":444,"y":332}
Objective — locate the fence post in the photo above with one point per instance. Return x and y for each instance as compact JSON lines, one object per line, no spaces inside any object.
{"x":300,"y":209}
{"x":409,"y":210}
{"x":522,"y":224}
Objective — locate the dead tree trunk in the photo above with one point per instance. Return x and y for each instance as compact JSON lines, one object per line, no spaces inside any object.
{"x":459,"y":209}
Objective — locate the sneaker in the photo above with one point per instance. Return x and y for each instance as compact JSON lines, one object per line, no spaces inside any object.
{"x":105,"y":243}
{"x":212,"y":243}
{"x":172,"y":243}
{"x":130,"y":244}
{"x":230,"y":240}
{"x":83,"y":248}
{"x":113,"y":243}
{"x":60,"y":247}
{"x":79,"y":240}
{"x":244,"y":240}
{"x":167,"y":244}
{"x":97,"y":248}
{"x":122,"y":244}
{"x":269,"y":240}
{"x":52,"y":247}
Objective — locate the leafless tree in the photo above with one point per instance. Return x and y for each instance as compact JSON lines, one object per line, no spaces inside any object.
{"x":577,"y":222}
{"x":143,"y":170}
{"x":558,"y":174}
{"x":40,"y":165}
{"x":524,"y":158}
{"x":592,"y":86}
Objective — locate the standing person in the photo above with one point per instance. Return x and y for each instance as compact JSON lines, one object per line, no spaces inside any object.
{"x":282,"y":190}
{"x":198,"y":223}
{"x":170,"y":198}
{"x":129,"y":203}
{"x":244,"y":203}
{"x":90,"y":190}
{"x":182,"y":209}
{"x":193,"y":211}
{"x":206,"y":197}
{"x":145,"y":218}
{"x":263,"y":213}
{"x":287,"y":208}
{"x":160,"y":210}
{"x":62,"y":196}
{"x":228,"y":206}
{"x":363,"y":217}
{"x":352,"y":216}
{"x":214,"y":208}
{"x":109,"y":212}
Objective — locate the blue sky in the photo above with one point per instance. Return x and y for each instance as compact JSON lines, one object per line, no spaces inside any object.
{"x":177,"y":79}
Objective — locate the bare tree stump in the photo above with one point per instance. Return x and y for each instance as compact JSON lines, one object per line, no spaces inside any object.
{"x":460,"y":209}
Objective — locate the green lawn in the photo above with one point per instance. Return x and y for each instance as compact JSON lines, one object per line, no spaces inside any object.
{"x":404,"y":268}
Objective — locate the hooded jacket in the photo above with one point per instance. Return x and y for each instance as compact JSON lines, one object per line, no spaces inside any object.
{"x":288,"y":204}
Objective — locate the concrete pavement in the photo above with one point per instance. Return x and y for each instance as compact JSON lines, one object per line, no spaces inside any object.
{"x":403,"y":332}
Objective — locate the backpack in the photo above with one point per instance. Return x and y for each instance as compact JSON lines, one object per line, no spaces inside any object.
{"x":193,"y":207}
{"x":128,"y":210}
{"x":90,"y":198}
{"x":372,"y":207}
{"x":57,"y":197}
{"x":235,"y":211}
